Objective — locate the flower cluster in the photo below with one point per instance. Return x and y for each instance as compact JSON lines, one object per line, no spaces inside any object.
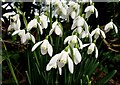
{"x":71,"y":54}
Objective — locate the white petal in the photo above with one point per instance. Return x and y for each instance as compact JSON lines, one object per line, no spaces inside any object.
{"x":86,"y":26}
{"x":54,"y":59}
{"x":60,"y":71}
{"x":58,"y":30}
{"x":80,"y":21}
{"x":96,"y":52}
{"x":15,"y":32}
{"x":77,"y":56}
{"x":93,"y":32}
{"x":87,"y":15}
{"x":73,"y":25}
{"x":108,"y":26}
{"x":91,"y":48}
{"x":40,"y":28}
{"x":73,"y":14}
{"x":103,"y":34}
{"x":44,"y":21}
{"x":48,"y":67}
{"x":116,"y":30}
{"x":23,"y":39}
{"x":96,"y":12}
{"x":36,"y":45}
{"x":88,"y":8}
{"x":33,"y":38}
{"x":50,"y":49}
{"x":67,"y":39}
{"x":54,"y":24}
{"x":31,"y":24}
{"x":43,"y":51}
{"x":79,"y":29}
{"x":70,"y":65}
{"x":51,"y":31}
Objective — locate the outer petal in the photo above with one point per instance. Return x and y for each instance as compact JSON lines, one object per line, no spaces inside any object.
{"x":74,"y":24}
{"x":93,"y":32}
{"x":51,"y":31}
{"x":103,"y":34}
{"x":87,"y":15}
{"x":70,"y":65}
{"x":36,"y":45}
{"x":31,"y":24}
{"x":60,"y":71}
{"x":96,"y":52}
{"x":40,"y":27}
{"x":58,"y":30}
{"x":96,"y":12}
{"x":32,"y":38}
{"x":73,"y":14}
{"x":88,"y":8}
{"x":91,"y":48}
{"x":77,"y":56}
{"x":50,"y":49}
{"x":54,"y":59}
{"x":67,"y":39}
{"x":79,"y":30}
{"x":15,"y":32}
{"x":43,"y":51}
{"x":116,"y":30}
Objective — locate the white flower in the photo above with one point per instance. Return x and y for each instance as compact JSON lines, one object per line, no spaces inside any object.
{"x":31,"y":24}
{"x":24,"y":37}
{"x":14,"y":23}
{"x":97,"y":32}
{"x":109,"y":26}
{"x":71,"y":39}
{"x":45,"y":47}
{"x":57,"y":28}
{"x":34,"y":23}
{"x":74,"y":9}
{"x":91,"y":48}
{"x":90,"y":10}
{"x":77,"y":56}
{"x":78,"y":23}
{"x":44,"y":21}
{"x":59,"y":60}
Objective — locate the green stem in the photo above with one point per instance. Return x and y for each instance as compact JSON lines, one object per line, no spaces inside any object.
{"x":10,"y":65}
{"x":50,"y":15}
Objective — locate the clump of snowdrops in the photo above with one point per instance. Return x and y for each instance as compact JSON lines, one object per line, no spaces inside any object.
{"x":54,"y":50}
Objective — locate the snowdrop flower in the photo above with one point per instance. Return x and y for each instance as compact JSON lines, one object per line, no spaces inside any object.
{"x":77,"y":56}
{"x":33,"y":24}
{"x":91,"y":48}
{"x":60,"y":8}
{"x":24,"y":37}
{"x":97,"y":32}
{"x":45,"y":47}
{"x":44,"y":21}
{"x":73,"y":40}
{"x":79,"y":23}
{"x":90,"y":10}
{"x":59,"y":60}
{"x":109,"y":26}
{"x":74,"y":9}
{"x":57,"y":28}
{"x":15,"y":23}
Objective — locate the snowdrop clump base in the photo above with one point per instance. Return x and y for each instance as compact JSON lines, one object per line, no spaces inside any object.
{"x":80,"y":42}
